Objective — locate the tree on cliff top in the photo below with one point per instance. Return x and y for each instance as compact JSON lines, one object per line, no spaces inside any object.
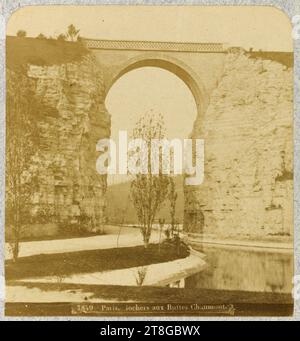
{"x":62,"y":37}
{"x":21,"y":34}
{"x":148,"y":191}
{"x":41,"y":36}
{"x":73,"y":33}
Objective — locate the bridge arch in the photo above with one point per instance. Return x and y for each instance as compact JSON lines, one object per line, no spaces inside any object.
{"x":186,"y":74}
{"x":171,"y":64}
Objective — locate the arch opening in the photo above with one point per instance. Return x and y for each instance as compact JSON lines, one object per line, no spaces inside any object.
{"x":138,"y":88}
{"x":174,"y":66}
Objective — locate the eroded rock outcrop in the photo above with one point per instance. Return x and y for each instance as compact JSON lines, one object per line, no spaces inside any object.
{"x":69,"y":187}
{"x":247,"y":128}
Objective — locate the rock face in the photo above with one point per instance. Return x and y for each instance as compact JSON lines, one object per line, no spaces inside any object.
{"x":68,"y":184}
{"x":248,"y":187}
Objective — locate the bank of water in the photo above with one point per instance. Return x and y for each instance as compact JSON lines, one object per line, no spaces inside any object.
{"x":246,"y":270}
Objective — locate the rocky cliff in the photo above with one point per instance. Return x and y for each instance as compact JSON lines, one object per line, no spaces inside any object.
{"x":69,"y":190}
{"x":248,"y":187}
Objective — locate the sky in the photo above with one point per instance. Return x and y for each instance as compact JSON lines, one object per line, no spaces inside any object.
{"x":137,"y":93}
{"x":260,"y":27}
{"x":151,"y":89}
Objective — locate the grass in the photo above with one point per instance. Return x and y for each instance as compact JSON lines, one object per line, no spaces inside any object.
{"x":64,"y":264}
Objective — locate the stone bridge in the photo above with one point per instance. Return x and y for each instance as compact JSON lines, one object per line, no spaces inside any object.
{"x":198,"y":65}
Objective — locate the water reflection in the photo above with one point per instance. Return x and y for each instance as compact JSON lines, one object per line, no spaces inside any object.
{"x":232,"y":269}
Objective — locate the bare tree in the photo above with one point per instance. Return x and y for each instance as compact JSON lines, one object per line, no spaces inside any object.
{"x":73,"y":33}
{"x":21,"y":140}
{"x":148,"y":191}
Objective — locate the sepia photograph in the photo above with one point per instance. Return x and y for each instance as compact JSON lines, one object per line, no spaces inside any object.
{"x":149,"y":161}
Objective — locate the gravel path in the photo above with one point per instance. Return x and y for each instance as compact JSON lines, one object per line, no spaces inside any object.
{"x":128,"y":237}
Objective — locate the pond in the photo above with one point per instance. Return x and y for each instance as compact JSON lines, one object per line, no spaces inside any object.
{"x":245,"y":270}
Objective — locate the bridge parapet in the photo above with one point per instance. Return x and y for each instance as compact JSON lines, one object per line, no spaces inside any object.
{"x":154,"y":46}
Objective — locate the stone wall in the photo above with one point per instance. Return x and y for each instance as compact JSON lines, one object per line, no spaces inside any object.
{"x":69,"y":188}
{"x":248,"y":187}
